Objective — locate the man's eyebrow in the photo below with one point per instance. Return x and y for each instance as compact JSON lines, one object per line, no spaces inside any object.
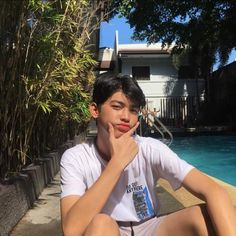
{"x":132,"y":106}
{"x":117,"y":101}
{"x":135,"y":107}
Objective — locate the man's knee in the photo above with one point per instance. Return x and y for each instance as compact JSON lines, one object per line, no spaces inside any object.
{"x":201,"y":221}
{"x":102,"y":219}
{"x":102,"y":224}
{"x":189,"y":221}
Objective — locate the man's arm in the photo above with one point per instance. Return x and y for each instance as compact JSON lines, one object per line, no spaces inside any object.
{"x":77,"y":212}
{"x":219,"y":204}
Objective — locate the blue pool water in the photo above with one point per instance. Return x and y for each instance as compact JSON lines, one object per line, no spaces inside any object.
{"x":214,"y":155}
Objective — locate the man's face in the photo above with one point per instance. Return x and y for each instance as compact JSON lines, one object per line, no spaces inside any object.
{"x":120,"y":112}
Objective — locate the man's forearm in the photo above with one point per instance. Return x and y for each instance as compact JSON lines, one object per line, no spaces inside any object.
{"x":91,"y":203}
{"x":222,"y":213}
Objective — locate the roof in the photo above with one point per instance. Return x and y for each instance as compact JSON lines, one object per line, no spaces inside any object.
{"x":143,"y":49}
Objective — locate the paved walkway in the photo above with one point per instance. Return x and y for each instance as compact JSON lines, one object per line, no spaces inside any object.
{"x":44,"y":218}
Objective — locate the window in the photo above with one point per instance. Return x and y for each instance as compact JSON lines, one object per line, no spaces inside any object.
{"x":141,"y":72}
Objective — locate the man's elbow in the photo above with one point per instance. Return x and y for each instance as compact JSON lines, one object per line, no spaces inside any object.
{"x":218,"y":193}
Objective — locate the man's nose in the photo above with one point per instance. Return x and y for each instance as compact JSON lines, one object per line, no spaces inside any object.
{"x":125,"y":115}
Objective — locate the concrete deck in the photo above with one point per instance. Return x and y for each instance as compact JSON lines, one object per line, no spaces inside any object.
{"x":44,"y":217}
{"x":183,"y":198}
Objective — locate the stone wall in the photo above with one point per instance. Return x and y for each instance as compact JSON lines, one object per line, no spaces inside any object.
{"x":19,"y":194}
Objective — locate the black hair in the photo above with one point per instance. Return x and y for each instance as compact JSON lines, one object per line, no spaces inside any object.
{"x":108,"y":83}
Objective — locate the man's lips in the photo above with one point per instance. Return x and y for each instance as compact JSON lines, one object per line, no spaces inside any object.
{"x":123,"y":127}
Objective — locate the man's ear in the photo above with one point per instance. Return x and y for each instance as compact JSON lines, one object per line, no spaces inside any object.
{"x":93,"y":108}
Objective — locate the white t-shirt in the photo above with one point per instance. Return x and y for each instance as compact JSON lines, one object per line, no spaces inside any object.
{"x":134,"y":197}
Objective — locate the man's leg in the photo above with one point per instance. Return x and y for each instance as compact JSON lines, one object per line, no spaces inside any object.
{"x":103,"y":225}
{"x":192,"y":221}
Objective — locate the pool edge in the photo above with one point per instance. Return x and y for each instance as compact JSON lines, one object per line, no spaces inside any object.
{"x":186,"y":199}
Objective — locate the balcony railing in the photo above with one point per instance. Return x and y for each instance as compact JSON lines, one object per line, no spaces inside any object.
{"x":178,"y":111}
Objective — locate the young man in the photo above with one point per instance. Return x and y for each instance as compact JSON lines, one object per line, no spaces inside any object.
{"x":108,"y":184}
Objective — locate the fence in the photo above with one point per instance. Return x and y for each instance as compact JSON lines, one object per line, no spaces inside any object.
{"x":178,"y":111}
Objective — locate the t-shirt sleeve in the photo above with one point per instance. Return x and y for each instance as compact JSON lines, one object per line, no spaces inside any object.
{"x":72,"y":180}
{"x":168,"y":165}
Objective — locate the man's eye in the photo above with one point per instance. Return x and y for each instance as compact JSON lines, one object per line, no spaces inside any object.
{"x":136,"y":111}
{"x":116,"y":107}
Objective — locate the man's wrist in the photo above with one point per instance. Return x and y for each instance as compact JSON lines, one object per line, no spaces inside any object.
{"x":116,"y":165}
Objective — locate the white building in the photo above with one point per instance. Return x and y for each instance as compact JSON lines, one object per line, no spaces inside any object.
{"x":152,"y":66}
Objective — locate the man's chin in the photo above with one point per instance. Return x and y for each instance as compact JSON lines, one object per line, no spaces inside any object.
{"x":119,"y":133}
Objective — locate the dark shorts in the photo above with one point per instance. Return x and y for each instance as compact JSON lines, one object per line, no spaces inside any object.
{"x":146,"y":228}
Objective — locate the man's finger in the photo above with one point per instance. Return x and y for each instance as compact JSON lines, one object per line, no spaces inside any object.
{"x":111,"y":130}
{"x":132,"y":130}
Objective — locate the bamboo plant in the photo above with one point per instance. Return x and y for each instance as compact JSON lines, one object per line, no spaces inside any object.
{"x":46,"y":72}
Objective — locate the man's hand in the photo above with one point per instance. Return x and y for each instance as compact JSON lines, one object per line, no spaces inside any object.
{"x":124,"y":148}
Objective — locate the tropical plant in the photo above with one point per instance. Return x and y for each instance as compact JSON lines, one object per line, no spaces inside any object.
{"x":46,"y":72}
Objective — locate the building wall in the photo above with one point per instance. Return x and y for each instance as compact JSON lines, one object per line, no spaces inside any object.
{"x":163,"y":81}
{"x":160,"y":68}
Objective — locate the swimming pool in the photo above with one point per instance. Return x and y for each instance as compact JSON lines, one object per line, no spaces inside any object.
{"x":214,"y":155}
